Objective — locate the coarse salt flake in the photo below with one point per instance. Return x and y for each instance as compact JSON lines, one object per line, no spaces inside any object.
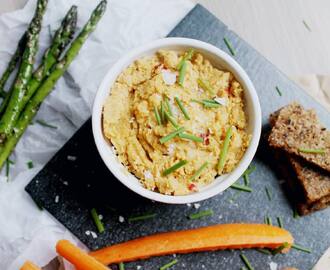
{"x":197,"y":205}
{"x":169,"y":77}
{"x":94,"y":235}
{"x":273,"y":266}
{"x":100,"y":217}
{"x":121,"y":219}
{"x":57,"y":198}
{"x":71,"y":158}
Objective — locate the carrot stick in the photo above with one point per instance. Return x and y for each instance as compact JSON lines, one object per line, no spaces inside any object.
{"x":80,"y":259}
{"x":216,"y":237}
{"x":29,"y":266}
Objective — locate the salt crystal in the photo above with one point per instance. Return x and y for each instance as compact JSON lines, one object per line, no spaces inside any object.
{"x":94,"y":235}
{"x":169,"y":77}
{"x":273,"y":266}
{"x":197,"y":205}
{"x":87,"y":232}
{"x":121,"y":219}
{"x":57,"y":198}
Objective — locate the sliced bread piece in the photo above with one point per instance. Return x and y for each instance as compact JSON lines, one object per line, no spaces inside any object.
{"x":295,"y":128}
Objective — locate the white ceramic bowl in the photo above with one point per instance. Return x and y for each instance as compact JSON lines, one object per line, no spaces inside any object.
{"x":219,"y":59}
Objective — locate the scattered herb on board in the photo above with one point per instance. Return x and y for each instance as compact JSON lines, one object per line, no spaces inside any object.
{"x":268,"y":193}
{"x":229,"y":46}
{"x":312,"y":151}
{"x":171,"y":135}
{"x":182,"y":108}
{"x":141,"y":217}
{"x":241,"y":187}
{"x":224,"y":150}
{"x":278,"y":91}
{"x":45,"y":124}
{"x":168,"y":265}
{"x":246,"y":174}
{"x":264,"y":251}
{"x":201,"y":214}
{"x":295,"y":213}
{"x":246,"y":262}
{"x":280,"y":222}
{"x":198,"y":172}
{"x":121,"y":266}
{"x":157,"y":116}
{"x":280,"y":248}
{"x":174,"y":167}
{"x":243,"y":268}
{"x":191,"y":137}
{"x":97,"y":221}
{"x":300,"y":248}
{"x":307,"y":26}
{"x":205,"y":86}
{"x":8,"y":163}
{"x":268,"y":220}
{"x":30,"y":164}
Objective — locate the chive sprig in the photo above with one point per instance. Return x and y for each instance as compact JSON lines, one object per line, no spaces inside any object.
{"x":175,"y":167}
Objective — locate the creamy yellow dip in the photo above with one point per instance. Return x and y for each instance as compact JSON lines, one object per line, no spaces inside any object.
{"x":130,"y":124}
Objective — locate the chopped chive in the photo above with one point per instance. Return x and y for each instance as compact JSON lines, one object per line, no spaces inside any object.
{"x":205,"y":86}
{"x":212,"y":101}
{"x":224,"y":149}
{"x":30,"y":164}
{"x":174,"y":167}
{"x":268,"y":220}
{"x":298,"y":247}
{"x":269,"y":195}
{"x":171,"y":135}
{"x":206,"y":103}
{"x":182,"y":73}
{"x":278,"y":91}
{"x":142,"y":217}
{"x":243,"y":268}
{"x":188,"y":55}
{"x":171,"y":119}
{"x":121,"y":266}
{"x":97,"y":221}
{"x":246,"y":178}
{"x":280,"y":248}
{"x":280,"y":222}
{"x":312,"y":151}
{"x":307,"y":26}
{"x":11,"y":162}
{"x":264,"y":251}
{"x":191,"y":137}
{"x":7,"y":168}
{"x":241,"y":187}
{"x":295,"y":214}
{"x":45,"y":124}
{"x":168,"y":265}
{"x":168,"y":105}
{"x":229,"y":46}
{"x":182,"y":108}
{"x":246,"y":262}
{"x":250,"y":169}
{"x":157,"y":116}
{"x":201,"y":214}
{"x":162,"y":112}
{"x":198,"y":172}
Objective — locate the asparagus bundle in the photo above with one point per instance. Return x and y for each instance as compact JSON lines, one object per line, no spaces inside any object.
{"x":47,"y":85}
{"x":61,"y":38}
{"x":25,"y":70}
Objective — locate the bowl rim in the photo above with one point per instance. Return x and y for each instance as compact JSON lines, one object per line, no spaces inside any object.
{"x":101,"y":143}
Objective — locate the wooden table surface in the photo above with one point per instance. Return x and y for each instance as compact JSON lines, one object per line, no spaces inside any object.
{"x":273,"y":27}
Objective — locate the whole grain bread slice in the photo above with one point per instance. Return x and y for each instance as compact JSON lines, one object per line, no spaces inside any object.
{"x":295,"y":128}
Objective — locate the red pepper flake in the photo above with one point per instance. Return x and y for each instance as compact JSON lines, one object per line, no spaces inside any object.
{"x":206,"y":137}
{"x":192,"y":187}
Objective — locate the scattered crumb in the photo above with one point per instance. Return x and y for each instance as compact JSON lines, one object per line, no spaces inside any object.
{"x":197,"y":205}
{"x":57,"y":198}
{"x":121,"y":219}
{"x":71,"y":158}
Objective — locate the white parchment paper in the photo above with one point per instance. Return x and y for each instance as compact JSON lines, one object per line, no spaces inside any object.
{"x":25,"y":231}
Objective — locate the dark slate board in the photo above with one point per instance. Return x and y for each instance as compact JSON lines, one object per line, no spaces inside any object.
{"x":86,"y":183}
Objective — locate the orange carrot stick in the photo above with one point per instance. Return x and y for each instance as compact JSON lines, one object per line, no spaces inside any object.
{"x":29,"y":266}
{"x":216,"y":237}
{"x":81,"y":260}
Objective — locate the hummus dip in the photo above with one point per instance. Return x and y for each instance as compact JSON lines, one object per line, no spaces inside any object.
{"x":143,"y":108}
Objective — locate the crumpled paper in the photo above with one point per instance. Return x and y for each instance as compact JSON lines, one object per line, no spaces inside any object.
{"x":25,"y":231}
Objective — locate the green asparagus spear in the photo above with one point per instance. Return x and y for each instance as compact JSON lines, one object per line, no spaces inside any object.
{"x":24,"y":72}
{"x":62,"y":37}
{"x":12,"y":65}
{"x":47,"y":85}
